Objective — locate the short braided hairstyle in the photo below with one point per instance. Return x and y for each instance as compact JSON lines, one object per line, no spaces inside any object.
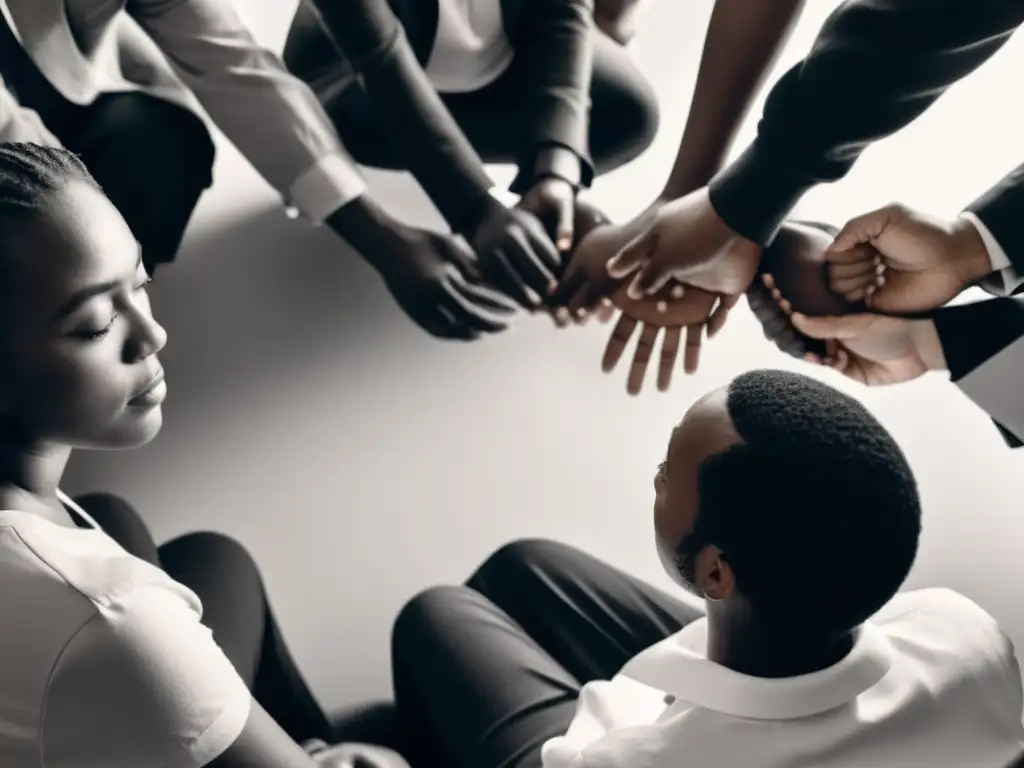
{"x":29,"y":172}
{"x":817,"y":511}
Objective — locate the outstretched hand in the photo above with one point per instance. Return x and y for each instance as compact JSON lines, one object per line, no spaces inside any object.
{"x":688,"y":242}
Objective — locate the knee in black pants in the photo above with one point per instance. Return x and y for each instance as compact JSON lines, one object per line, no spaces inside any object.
{"x":213,"y":550}
{"x":511,"y":562}
{"x":624,"y":123}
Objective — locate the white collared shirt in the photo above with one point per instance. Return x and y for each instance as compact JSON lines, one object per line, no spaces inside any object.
{"x":931,"y":681}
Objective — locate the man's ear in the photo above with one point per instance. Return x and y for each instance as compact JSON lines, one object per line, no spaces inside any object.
{"x":715,"y":576}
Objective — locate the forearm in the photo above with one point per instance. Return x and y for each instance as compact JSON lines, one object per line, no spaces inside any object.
{"x":875,"y":66}
{"x":742,"y":42}
{"x":273,"y":118}
{"x":423,"y":132}
{"x":983,"y":346}
{"x":556,"y":45}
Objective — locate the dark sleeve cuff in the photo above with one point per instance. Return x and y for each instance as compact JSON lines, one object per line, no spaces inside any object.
{"x":753,"y":196}
{"x":559,"y":125}
{"x":972,"y":334}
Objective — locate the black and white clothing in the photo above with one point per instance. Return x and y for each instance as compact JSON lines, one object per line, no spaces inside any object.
{"x":549,"y":658}
{"x":122,"y":654}
{"x":438,"y":87}
{"x":875,"y":67}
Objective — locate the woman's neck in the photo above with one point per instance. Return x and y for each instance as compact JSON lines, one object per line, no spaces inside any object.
{"x":31,"y":467}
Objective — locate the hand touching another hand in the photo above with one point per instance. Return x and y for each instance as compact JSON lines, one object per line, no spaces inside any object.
{"x":687,"y":241}
{"x":918,"y":262}
{"x":515,"y":254}
{"x":553,"y":202}
{"x":434,"y":279}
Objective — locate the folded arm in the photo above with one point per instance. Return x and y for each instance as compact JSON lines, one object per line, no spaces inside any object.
{"x":875,"y":66}
{"x":422,"y":130}
{"x":983,"y":344}
{"x":271,"y":116}
{"x":558,"y":50}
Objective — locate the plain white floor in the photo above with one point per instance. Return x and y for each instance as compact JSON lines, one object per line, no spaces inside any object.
{"x":362,"y":461}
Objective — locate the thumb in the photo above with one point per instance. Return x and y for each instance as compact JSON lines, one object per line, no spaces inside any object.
{"x":832,"y":327}
{"x":864,"y":229}
{"x":564,"y":227}
{"x":635,"y":253}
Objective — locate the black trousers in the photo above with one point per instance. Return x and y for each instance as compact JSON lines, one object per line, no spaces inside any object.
{"x":624,"y":115}
{"x":235,"y":608}
{"x":485,"y":673}
{"x":152,"y":158}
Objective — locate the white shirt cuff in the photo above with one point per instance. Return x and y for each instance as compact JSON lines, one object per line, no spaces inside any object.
{"x":333,"y":182}
{"x":997,"y":257}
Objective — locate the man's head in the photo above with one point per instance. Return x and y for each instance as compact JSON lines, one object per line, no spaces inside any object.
{"x":788,"y":495}
{"x":78,"y":343}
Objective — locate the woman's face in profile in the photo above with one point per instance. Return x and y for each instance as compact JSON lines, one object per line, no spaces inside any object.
{"x":77,"y":338}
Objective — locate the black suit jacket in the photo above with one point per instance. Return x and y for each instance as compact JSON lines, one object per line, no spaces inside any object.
{"x":385,"y":43}
{"x":875,"y":66}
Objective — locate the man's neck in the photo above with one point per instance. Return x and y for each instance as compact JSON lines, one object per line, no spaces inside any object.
{"x":743,"y":647}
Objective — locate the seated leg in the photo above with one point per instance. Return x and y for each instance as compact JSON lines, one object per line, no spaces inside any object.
{"x":473,"y":690}
{"x":235,"y":608}
{"x":122,"y":523}
{"x":588,"y":616}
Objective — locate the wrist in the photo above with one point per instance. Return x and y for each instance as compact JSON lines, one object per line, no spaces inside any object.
{"x":560,"y":163}
{"x":971,"y":259}
{"x":926,"y":341}
{"x":367,"y":227}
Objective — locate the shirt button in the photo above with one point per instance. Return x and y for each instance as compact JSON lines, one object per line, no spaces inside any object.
{"x":292,"y":212}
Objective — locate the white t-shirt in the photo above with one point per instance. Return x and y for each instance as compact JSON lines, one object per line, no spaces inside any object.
{"x":931,"y":681}
{"x":103,"y":660}
{"x":471,"y":49}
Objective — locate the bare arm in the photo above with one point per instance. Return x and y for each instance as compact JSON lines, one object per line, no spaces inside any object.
{"x":263,"y":744}
{"x":742,"y":43}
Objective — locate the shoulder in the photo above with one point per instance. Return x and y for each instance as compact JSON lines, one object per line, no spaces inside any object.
{"x":942,"y":617}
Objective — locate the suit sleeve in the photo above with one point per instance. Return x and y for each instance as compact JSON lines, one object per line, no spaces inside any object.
{"x":558,"y":48}
{"x":984,"y":347}
{"x":421,"y":128}
{"x":273,"y":118}
{"x":875,"y":66}
{"x":19,"y":124}
{"x":999,"y":212}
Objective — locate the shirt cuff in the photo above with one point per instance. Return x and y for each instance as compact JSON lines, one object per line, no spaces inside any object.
{"x":1006,"y":278}
{"x":332,"y":183}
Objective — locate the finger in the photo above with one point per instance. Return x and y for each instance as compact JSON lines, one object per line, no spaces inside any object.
{"x":526,"y":256}
{"x":564,"y":227}
{"x":540,"y":244}
{"x":626,"y":261}
{"x":831,"y":327}
{"x":502,"y":274}
{"x":721,"y":313}
{"x":589,"y":297}
{"x":861,"y":229}
{"x":439,"y":324}
{"x":649,"y":279}
{"x":669,"y":353}
{"x":499,"y":305}
{"x":459,"y":303}
{"x":570,"y":283}
{"x":641,"y":358}
{"x":620,"y":336}
{"x":854,"y":270}
{"x":694,"y":341}
{"x":605,"y":311}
